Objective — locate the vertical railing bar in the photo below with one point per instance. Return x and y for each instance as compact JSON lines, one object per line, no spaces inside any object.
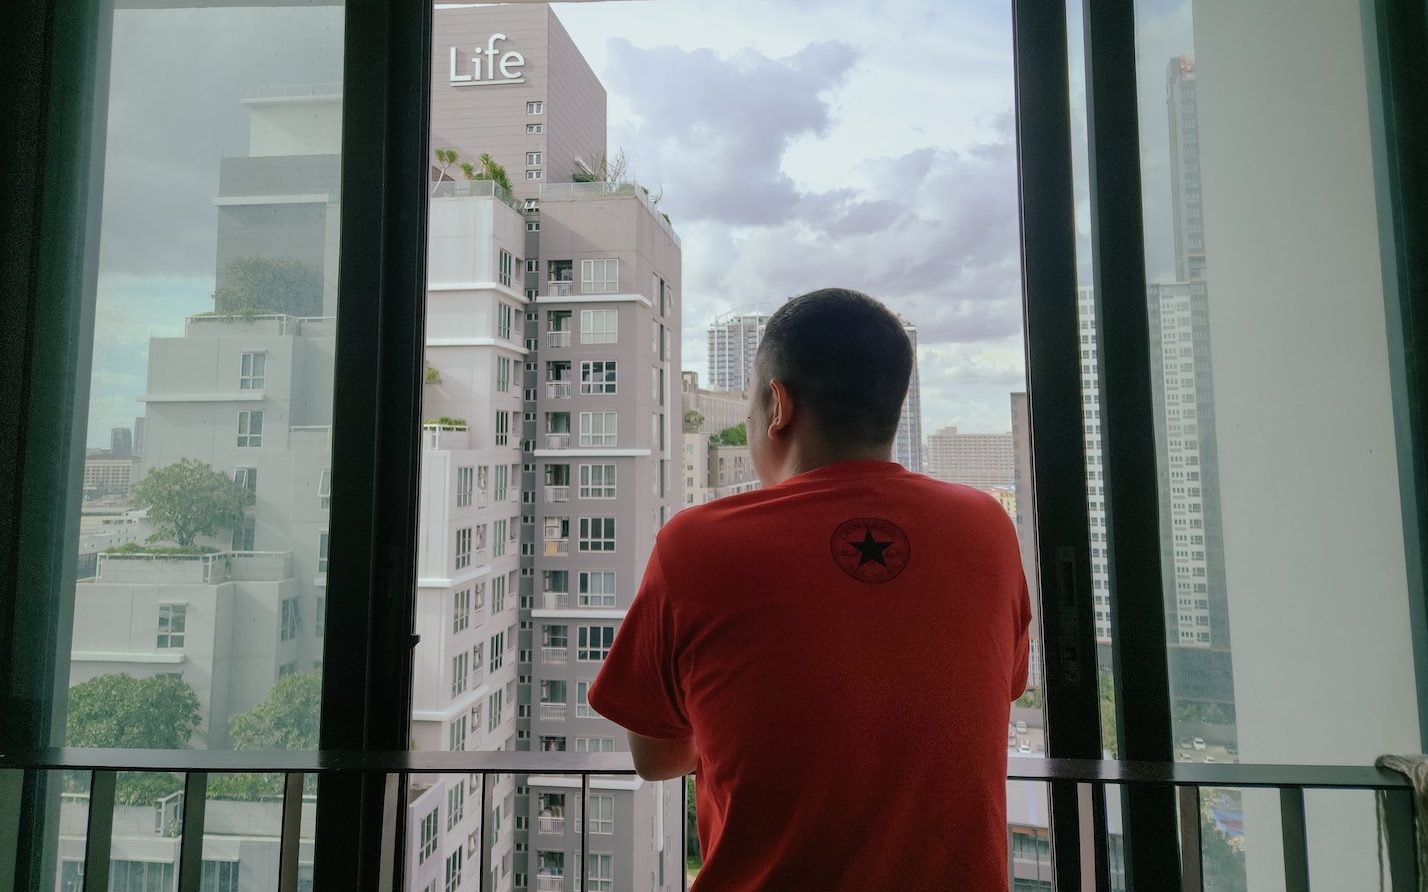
{"x":99,"y":835}
{"x":1296,"y":839}
{"x":686,"y":784}
{"x":1068,"y":869}
{"x":195,"y":811}
{"x":392,"y":832}
{"x":291,"y":835}
{"x":485,"y":831}
{"x":1100,"y":845}
{"x":1191,"y":857}
{"x":1402,"y":838}
{"x":584,"y":829}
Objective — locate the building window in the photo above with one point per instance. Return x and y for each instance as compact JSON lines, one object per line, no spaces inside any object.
{"x":463,"y":548}
{"x":324,"y":489}
{"x":497,"y":651}
{"x":602,"y":873}
{"x":535,"y":128}
{"x":594,"y":644}
{"x":456,"y":740}
{"x":535,"y":107}
{"x":289,"y":619}
{"x":428,"y":836}
{"x":602,"y":813}
{"x":253,"y":371}
{"x":173,"y":620}
{"x":598,"y":428}
{"x":597,"y":481}
{"x":219,"y":876}
{"x":503,"y":428}
{"x":507,"y":264}
{"x":533,"y":159}
{"x":461,"y":610}
{"x":594,"y":744}
{"x":319,"y":623}
{"x":250,"y":429}
{"x":248,"y":479}
{"x":600,"y":276}
{"x":498,"y":591}
{"x":505,"y":315}
{"x":503,"y":374}
{"x":597,"y":376}
{"x":599,"y":326}
{"x":465,"y":479}
{"x":498,"y":546}
{"x":459,"y":674}
{"x":243,"y":533}
{"x":533,"y":174}
{"x":532,"y":266}
{"x":493,"y":711}
{"x":532,"y":226}
{"x":453,"y":871}
{"x":597,"y":534}
{"x":597,"y":588}
{"x":288,"y":668}
{"x":322,"y":553}
{"x":140,"y":876}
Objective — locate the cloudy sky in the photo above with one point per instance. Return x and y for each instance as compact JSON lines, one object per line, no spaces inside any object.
{"x":798,"y":144}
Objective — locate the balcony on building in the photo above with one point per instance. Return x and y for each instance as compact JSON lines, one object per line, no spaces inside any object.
{"x":561,"y":279}
{"x":150,"y":568}
{"x":550,"y":818}
{"x":556,"y":536}
{"x":558,"y":327}
{"x":557,"y":379}
{"x":446,"y":433}
{"x":557,"y":483}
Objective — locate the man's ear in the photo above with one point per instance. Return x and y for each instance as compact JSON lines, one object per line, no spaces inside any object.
{"x":780,"y":408}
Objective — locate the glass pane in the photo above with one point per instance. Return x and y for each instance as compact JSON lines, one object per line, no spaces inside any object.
{"x":197,"y":617}
{"x":805,"y":157}
{"x":1282,"y":540}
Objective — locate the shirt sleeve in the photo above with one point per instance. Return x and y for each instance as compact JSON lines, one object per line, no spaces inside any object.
{"x":639,"y":687}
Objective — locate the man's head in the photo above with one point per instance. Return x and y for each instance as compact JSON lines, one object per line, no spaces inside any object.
{"x":830,"y":377}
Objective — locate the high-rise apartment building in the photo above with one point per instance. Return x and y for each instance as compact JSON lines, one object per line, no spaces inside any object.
{"x":1187,"y":209}
{"x":907,"y":445}
{"x":121,"y":443}
{"x":733,"y":340}
{"x":980,"y":460}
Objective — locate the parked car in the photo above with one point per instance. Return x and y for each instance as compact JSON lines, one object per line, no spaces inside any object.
{"x":1024,"y":749}
{"x":1209,"y":758}
{"x":1199,"y":743}
{"x":1184,"y":743}
{"x":1021,"y":727}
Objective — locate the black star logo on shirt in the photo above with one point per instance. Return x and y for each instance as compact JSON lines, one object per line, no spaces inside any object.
{"x":870,"y":549}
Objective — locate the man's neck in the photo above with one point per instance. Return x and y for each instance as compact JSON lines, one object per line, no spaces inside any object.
{"x":804,"y":458}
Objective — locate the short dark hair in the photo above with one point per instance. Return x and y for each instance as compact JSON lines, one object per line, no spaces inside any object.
{"x":847,"y":357}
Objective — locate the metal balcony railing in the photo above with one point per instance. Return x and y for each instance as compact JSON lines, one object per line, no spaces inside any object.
{"x":1187,"y":780}
{"x":557,"y":390}
{"x":557,"y":547}
{"x":549,"y":824}
{"x":557,"y":339}
{"x":557,"y":493}
{"x":559,"y":289}
{"x":555,"y":656}
{"x":555,"y":600}
{"x":553,"y":711}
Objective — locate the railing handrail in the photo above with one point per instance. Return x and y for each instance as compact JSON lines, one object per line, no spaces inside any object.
{"x":1109,"y":771}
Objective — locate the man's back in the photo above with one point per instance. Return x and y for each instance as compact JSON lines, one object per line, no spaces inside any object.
{"x":844,"y":648}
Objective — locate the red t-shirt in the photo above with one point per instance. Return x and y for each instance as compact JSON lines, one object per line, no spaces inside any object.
{"x":844,"y":648}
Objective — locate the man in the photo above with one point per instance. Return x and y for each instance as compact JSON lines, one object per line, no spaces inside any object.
{"x":834,"y":655}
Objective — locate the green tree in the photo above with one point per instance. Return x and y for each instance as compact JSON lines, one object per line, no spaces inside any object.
{"x":444,"y":159}
{"x":189,"y":498}
{"x":486,"y":169}
{"x":122,"y":711}
{"x":255,"y":285}
{"x":286,"y":719}
{"x":693,"y":857}
{"x":732,"y":436}
{"x":692,"y":422}
{"x":1106,"y":687}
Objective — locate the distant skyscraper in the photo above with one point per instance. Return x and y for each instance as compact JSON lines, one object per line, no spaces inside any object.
{"x":121,"y":442}
{"x":1186,"y":208}
{"x":139,"y":437}
{"x":907,"y":447}
{"x":733,"y":341}
{"x":981,"y":460}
